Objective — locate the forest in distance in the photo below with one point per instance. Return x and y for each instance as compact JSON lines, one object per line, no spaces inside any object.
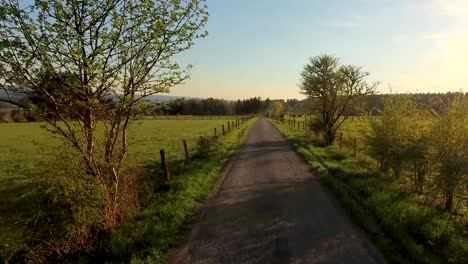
{"x":369,"y":104}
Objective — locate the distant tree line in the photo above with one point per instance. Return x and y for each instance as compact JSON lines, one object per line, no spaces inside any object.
{"x":213,"y":106}
{"x":437,"y":102}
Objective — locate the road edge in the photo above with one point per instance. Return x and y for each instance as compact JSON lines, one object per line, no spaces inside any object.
{"x":191,"y":230}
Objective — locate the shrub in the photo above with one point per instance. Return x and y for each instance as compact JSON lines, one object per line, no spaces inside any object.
{"x":205,"y":147}
{"x":69,"y":213}
{"x":450,"y":149}
{"x":393,"y":134}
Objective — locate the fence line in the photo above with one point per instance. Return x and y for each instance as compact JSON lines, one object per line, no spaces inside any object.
{"x":196,"y":117}
{"x":163,"y":154}
{"x":350,"y":143}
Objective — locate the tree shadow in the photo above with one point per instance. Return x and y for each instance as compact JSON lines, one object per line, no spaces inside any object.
{"x":277,"y":223}
{"x":272,"y":209}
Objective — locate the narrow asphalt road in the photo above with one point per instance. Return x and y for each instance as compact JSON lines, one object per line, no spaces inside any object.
{"x":272,"y":209}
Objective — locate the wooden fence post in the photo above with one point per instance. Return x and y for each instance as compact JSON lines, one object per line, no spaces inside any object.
{"x":164,"y":167}
{"x":215,"y":134}
{"x":186,"y":150}
{"x":222,"y":129}
{"x":229,"y":126}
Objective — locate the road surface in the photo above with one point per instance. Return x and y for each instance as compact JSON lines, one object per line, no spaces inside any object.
{"x":272,"y":209}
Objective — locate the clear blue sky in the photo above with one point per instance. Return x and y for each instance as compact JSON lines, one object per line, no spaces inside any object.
{"x":258,"y":47}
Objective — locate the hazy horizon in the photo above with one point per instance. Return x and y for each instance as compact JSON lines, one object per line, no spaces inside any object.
{"x":258,"y":48}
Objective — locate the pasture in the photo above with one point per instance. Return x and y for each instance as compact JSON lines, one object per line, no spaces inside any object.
{"x":353,"y":127}
{"x":26,"y":151}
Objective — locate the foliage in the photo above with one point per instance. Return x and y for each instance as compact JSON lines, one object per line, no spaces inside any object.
{"x":404,"y":137}
{"x":449,"y":140}
{"x":406,"y":229}
{"x":393,"y":134}
{"x":93,"y":62}
{"x":205,"y":147}
{"x":249,"y":106}
{"x":69,"y":213}
{"x":213,"y":106}
{"x":337,"y":88}
{"x":276,"y":109}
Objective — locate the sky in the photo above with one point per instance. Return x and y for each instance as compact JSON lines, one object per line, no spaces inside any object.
{"x":259,"y":47}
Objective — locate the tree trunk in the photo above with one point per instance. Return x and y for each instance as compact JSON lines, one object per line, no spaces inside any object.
{"x":419,"y":182}
{"x":330,"y":136}
{"x":89,"y":125}
{"x":420,"y":172}
{"x":448,"y":201}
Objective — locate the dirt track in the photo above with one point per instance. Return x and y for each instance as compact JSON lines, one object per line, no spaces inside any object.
{"x":272,"y":209}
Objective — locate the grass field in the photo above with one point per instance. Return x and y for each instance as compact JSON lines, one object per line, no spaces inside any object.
{"x":26,"y":149}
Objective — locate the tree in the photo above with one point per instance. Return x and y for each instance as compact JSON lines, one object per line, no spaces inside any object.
{"x":95,"y":61}
{"x":337,"y":87}
{"x":266,"y":104}
{"x":396,"y":138}
{"x":450,"y":148}
{"x":276,"y":109}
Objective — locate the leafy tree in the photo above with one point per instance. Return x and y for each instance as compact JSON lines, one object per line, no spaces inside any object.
{"x":450,"y":148}
{"x":394,"y":133}
{"x":337,"y":87}
{"x":95,"y":61}
{"x":276,"y":109}
{"x":266,"y":104}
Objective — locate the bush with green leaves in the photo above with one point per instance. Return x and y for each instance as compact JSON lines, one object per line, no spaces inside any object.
{"x":449,"y":149}
{"x":205,"y":147}
{"x":69,"y":212}
{"x":393,"y":136}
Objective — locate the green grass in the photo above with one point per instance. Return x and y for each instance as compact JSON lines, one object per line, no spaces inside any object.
{"x":149,"y":136}
{"x":26,"y":151}
{"x":404,"y":228}
{"x":150,"y":236}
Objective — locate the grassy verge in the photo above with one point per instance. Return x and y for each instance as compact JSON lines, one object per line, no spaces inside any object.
{"x":402,"y":226}
{"x":149,"y":236}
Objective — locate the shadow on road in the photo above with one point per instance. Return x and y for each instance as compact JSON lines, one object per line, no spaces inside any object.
{"x":272,"y":209}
